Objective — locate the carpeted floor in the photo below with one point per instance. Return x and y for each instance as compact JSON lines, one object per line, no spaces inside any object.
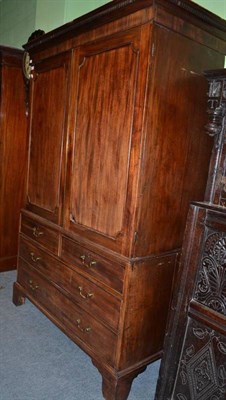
{"x":39,"y":362}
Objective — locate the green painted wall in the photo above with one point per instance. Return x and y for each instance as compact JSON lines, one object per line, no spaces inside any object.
{"x":19,"y":18}
{"x":53,"y":13}
{"x":76,"y":8}
{"x":17,"y":21}
{"x":49,"y":14}
{"x":216,"y":6}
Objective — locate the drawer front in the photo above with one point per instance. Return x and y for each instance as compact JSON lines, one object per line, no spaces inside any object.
{"x":75,"y":321}
{"x":41,"y":234}
{"x":110,"y":273}
{"x":89,"y":296}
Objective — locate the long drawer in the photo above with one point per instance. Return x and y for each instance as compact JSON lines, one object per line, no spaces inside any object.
{"x":109,"y":273}
{"x":89,"y":296}
{"x":40,"y":233}
{"x":73,"y":319}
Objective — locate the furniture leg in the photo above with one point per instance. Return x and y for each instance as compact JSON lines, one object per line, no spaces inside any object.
{"x":18,"y":296}
{"x":116,"y":386}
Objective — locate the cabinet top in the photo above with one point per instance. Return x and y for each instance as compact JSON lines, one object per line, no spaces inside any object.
{"x":155,"y":11}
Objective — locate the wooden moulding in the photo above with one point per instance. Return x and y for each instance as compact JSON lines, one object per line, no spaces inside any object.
{"x":194,"y":15}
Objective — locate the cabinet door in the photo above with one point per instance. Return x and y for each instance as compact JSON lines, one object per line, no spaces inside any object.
{"x":48,"y":121}
{"x":110,"y":77}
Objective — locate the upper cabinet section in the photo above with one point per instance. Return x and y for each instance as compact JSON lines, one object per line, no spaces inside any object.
{"x":48,"y":117}
{"x":115,"y":136}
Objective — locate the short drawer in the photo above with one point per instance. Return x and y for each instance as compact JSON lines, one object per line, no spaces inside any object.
{"x":90,"y":297}
{"x":110,"y":273}
{"x":40,"y":233}
{"x":72,"y":319}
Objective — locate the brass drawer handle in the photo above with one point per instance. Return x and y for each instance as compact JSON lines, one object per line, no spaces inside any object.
{"x":32,"y":285}
{"x":84,"y":330}
{"x":84,"y":296}
{"x":92,"y":263}
{"x":36,"y":232}
{"x":34,"y":258}
{"x":88,"y":265}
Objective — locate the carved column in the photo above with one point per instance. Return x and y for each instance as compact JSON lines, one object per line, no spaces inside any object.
{"x":216,"y":189}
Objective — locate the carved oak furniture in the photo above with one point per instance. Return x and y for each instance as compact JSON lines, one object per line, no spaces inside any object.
{"x":13,"y":153}
{"x":194,"y":362}
{"x":117,"y":152}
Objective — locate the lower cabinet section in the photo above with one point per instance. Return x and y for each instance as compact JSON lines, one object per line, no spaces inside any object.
{"x":79,"y":324}
{"x":113,"y":307}
{"x":87,"y":294}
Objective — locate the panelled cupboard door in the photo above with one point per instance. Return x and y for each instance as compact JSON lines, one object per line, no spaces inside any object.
{"x":110,"y":79}
{"x":48,"y":126}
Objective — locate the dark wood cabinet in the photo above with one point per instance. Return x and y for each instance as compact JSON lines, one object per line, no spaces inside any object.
{"x":193,"y":365}
{"x":13,"y":153}
{"x":117,"y":152}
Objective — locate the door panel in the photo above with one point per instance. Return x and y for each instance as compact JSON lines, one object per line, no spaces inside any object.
{"x":48,"y":123}
{"x":107,"y":81}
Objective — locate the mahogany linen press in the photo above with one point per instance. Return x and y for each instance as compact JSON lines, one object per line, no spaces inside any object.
{"x":116,"y":154}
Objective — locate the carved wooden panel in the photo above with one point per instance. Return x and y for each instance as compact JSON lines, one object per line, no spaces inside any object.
{"x":210,"y":287}
{"x":202,"y":368}
{"x":194,"y":361}
{"x":48,"y":113}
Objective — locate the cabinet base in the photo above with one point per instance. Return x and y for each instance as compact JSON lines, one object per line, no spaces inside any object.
{"x":116,"y":386}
